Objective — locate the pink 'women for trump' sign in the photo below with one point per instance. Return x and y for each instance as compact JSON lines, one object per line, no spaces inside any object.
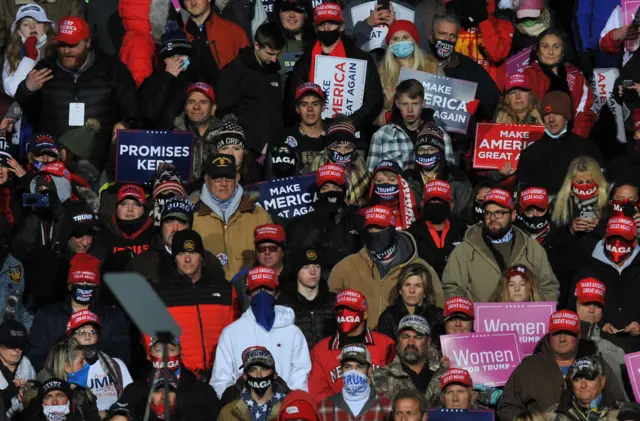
{"x":488,"y":357}
{"x":530,"y":321}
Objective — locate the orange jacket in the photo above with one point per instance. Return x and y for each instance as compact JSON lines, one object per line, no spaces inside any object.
{"x":581,"y":96}
{"x":138,"y":46}
{"x":226,"y":39}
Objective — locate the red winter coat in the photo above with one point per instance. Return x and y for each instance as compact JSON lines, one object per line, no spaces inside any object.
{"x":488,"y":45}
{"x":581,"y":96}
{"x":325,"y":378}
{"x":138,"y":45}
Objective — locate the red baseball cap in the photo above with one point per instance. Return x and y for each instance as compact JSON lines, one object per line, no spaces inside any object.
{"x":271,"y":233}
{"x":564,"y":320}
{"x":517,"y":81}
{"x":327,"y":12}
{"x":378,"y":215}
{"x":534,"y":196}
{"x":590,"y":290}
{"x":203,"y":88}
{"x":261,"y":276}
{"x":84,"y":268}
{"x":455,"y":375}
{"x":437,"y":189}
{"x":81,"y":318}
{"x":309,"y":87}
{"x":333,"y":173}
{"x":72,"y":30}
{"x":621,"y":226}
{"x":458,"y":304}
{"x":500,"y":197}
{"x":636,"y":119}
{"x":132,"y":191}
{"x":298,"y":410}
{"x":352,"y":299}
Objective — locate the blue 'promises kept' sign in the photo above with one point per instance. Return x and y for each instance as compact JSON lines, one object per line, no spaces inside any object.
{"x":140,"y":153}
{"x":287,"y":197}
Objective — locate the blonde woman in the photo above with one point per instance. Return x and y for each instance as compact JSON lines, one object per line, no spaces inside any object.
{"x":403,"y":50}
{"x":517,"y":285}
{"x":582,"y":197}
{"x":32,"y":39}
{"x":518,"y":105}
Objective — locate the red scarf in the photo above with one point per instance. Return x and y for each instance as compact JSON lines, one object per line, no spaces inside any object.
{"x":437,"y":239}
{"x":317,"y":50}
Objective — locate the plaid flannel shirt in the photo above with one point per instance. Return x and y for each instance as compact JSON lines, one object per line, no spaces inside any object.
{"x":377,"y":408}
{"x":392,"y":142}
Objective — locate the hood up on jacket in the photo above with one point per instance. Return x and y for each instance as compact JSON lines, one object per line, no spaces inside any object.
{"x":284,"y":317}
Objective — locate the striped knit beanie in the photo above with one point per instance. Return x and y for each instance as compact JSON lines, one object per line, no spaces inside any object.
{"x":341,"y":131}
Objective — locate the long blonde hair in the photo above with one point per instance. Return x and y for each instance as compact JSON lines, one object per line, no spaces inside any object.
{"x":389,"y":71}
{"x":14,"y":50}
{"x":561,"y":215}
{"x":64,"y":353}
{"x":501,"y":294}
{"x":504,"y":113}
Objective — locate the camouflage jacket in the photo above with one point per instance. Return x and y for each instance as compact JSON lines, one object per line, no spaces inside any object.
{"x":572,"y":413}
{"x":392,"y":378}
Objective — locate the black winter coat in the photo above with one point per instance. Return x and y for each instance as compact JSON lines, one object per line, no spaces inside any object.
{"x":196,"y":401}
{"x":427,"y":248}
{"x":106,"y":88}
{"x":391,"y":316}
{"x":545,"y":163}
{"x":50,"y":325}
{"x":162,"y":98}
{"x":334,"y":239}
{"x":120,"y":248}
{"x":372,"y":101}
{"x":621,"y":298}
{"x":253,"y":93}
{"x":625,"y":167}
{"x":315,"y":318}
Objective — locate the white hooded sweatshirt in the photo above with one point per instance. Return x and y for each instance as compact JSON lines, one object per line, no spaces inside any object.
{"x":285,"y":341}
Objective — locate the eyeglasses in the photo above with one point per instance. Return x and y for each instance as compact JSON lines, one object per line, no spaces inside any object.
{"x":265,"y":249}
{"x":85,"y":333}
{"x":497,"y":214}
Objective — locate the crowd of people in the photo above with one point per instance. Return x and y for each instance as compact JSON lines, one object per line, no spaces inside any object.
{"x":338,"y":314}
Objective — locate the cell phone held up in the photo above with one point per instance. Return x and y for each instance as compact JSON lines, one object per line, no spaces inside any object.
{"x":629,"y":210}
{"x":384,"y":4}
{"x":35,"y":200}
{"x":628,"y":83}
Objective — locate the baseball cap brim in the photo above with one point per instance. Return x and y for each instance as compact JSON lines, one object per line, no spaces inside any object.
{"x":176,"y":215}
{"x":263,"y":362}
{"x":458,"y":315}
{"x":529,"y":13}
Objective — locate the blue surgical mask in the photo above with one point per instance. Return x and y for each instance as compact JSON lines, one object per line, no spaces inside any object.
{"x":264,"y":310}
{"x":185,"y":63}
{"x":386,"y":192}
{"x":402,"y":49}
{"x":80,"y":377}
{"x":429,"y":161}
{"x":556,"y":136}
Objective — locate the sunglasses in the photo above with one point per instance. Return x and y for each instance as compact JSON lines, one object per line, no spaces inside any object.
{"x":270,"y":249}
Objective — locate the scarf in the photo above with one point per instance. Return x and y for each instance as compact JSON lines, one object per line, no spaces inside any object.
{"x":407,"y":210}
{"x":317,"y":50}
{"x":507,"y":238}
{"x":223,"y":208}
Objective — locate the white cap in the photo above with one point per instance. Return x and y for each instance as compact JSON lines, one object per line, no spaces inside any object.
{"x":32,"y":11}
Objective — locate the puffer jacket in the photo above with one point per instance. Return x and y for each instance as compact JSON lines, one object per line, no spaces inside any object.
{"x":391,"y":379}
{"x":315,"y":317}
{"x":537,"y":383}
{"x":325,"y":378}
{"x":232,"y":243}
{"x":144,"y":22}
{"x":105,"y":87}
{"x":472,"y":270}
{"x":202,"y":310}
{"x":581,"y":95}
{"x":285,"y":341}
{"x":361,"y":273}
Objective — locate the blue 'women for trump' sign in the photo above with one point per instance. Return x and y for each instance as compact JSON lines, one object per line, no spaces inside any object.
{"x":287,"y":197}
{"x":140,"y":153}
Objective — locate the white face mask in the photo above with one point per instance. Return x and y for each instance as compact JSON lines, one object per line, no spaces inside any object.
{"x":42,"y":39}
{"x":355,"y":385}
{"x":56,"y":412}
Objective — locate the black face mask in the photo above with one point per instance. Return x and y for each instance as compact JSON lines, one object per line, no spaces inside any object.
{"x":83,"y":294}
{"x":534,"y":224}
{"x":328,"y":38}
{"x":343,"y":159}
{"x":259,"y":385}
{"x":478,"y":212}
{"x":283,"y":166}
{"x":436,"y":212}
{"x":381,"y":244}
{"x":332,"y":198}
{"x":442,"y":49}
{"x":90,"y":353}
